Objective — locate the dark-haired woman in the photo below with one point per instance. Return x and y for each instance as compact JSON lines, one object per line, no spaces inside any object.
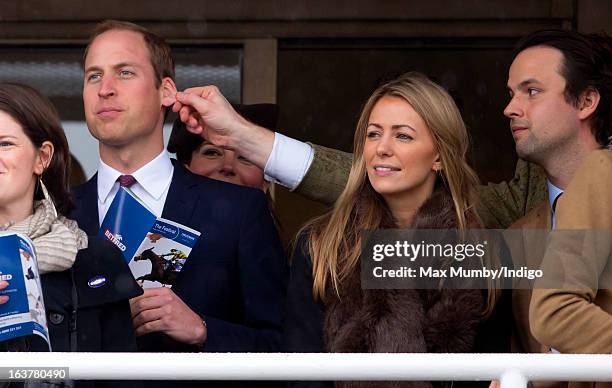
{"x":34,"y":195}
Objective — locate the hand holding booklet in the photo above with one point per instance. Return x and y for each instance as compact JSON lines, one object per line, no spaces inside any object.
{"x":155,"y":248}
{"x":24,"y":313}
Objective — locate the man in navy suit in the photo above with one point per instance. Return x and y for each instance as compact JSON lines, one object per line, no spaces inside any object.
{"x":229,"y":297}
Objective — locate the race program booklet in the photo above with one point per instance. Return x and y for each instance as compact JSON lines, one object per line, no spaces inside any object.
{"x":24,"y":313}
{"x":155,"y":248}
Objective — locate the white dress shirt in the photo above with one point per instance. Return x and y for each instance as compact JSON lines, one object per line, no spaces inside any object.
{"x":152,"y":184}
{"x":289,"y":161}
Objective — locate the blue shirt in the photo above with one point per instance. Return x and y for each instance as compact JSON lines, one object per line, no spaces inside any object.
{"x":553,"y":193}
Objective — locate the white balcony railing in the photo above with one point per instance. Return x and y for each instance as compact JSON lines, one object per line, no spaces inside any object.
{"x":514,"y":370}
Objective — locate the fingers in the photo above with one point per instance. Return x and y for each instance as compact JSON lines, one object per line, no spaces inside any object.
{"x":204,"y":91}
{"x":176,"y":106}
{"x":199,"y":100}
{"x":3,"y":298}
{"x":152,"y":298}
{"x":150,"y":310}
{"x":150,"y":316}
{"x":160,"y":310}
{"x":183,"y":110}
{"x":157,"y":291}
{"x":146,"y":327}
{"x":149,"y":327}
{"x":199,"y":103}
{"x":189,"y":116}
{"x":191,"y":119}
{"x":494,"y":384}
{"x":206,"y":112}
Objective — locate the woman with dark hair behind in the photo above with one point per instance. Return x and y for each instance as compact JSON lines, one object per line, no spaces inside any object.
{"x":34,"y":195}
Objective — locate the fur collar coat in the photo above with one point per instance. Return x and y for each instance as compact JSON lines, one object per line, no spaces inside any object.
{"x":404,"y":321}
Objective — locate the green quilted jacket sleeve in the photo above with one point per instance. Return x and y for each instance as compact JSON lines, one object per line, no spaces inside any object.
{"x":326,"y":176}
{"x":501,"y":204}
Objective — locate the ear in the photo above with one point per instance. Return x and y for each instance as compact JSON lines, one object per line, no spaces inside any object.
{"x":168,"y":91}
{"x":437,"y":164}
{"x":43,"y":159}
{"x":589,"y":100}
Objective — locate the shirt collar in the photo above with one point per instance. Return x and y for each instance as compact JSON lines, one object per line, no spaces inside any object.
{"x":107,"y":176}
{"x":553,"y":192}
{"x":154,"y":177}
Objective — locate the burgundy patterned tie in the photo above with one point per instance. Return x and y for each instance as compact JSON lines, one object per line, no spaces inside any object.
{"x":126,"y":180}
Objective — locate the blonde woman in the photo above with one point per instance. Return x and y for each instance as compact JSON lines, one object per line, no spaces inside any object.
{"x":408,"y":171}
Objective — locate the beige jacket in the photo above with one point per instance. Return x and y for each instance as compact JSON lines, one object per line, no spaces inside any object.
{"x":578,"y":318}
{"x":538,"y":218}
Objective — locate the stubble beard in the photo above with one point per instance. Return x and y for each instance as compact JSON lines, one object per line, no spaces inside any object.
{"x":528,"y":148}
{"x":542,"y":151}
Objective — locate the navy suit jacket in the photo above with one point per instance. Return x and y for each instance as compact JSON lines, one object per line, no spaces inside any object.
{"x":236,"y":274}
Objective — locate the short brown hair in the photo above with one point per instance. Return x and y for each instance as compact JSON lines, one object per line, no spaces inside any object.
{"x":159,"y":51}
{"x":40,"y":122}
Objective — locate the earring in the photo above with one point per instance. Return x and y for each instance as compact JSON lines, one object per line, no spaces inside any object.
{"x":37,"y":187}
{"x":46,"y":195}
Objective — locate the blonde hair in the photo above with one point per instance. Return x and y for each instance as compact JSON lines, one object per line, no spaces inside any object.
{"x":335,"y":240}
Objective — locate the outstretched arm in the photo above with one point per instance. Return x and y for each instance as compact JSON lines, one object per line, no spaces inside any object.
{"x":206,"y":112}
{"x":327,"y":175}
{"x":322,"y":178}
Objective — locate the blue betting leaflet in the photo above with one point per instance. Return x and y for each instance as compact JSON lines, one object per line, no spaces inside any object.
{"x":24,"y":313}
{"x":155,"y":248}
{"x":126,"y":223}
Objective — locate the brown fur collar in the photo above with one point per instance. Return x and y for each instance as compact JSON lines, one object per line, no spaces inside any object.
{"x":438,"y":212}
{"x":404,"y":321}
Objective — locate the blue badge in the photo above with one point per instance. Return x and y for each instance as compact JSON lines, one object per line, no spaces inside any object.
{"x":97,"y":281}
